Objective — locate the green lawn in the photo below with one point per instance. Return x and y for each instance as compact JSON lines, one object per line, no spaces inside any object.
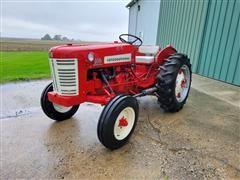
{"x":23,"y":66}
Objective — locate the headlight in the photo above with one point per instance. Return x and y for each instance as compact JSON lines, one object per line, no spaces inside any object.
{"x":50,"y":54}
{"x":90,"y":56}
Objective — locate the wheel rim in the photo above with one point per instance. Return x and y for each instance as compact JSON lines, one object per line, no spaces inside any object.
{"x":182,"y":83}
{"x":61,"y":109}
{"x":124,"y":123}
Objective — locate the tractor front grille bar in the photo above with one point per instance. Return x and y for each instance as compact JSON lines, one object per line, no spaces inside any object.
{"x":65,"y":76}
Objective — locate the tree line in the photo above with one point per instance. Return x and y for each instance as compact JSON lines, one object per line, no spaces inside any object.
{"x":56,"y":37}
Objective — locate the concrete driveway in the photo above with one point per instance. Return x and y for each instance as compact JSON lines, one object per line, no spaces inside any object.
{"x":200,"y":142}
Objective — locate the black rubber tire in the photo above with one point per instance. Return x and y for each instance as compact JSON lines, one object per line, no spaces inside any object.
{"x":50,"y":111}
{"x":166,"y":82}
{"x":108,"y":117}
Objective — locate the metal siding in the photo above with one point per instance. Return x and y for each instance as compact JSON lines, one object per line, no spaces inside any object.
{"x":219,"y":43}
{"x":211,"y":42}
{"x":165,"y":19}
{"x":206,"y":35}
{"x":220,"y":51}
{"x":175,"y":11}
{"x":208,"y":31}
{"x":236,"y":79}
{"x":233,"y":73}
{"x":172,"y":22}
{"x":189,"y":26}
{"x":185,"y":28}
{"x":215,"y":39}
{"x":181,"y":24}
{"x":230,"y":31}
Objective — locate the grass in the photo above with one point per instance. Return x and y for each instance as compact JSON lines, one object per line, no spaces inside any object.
{"x":23,"y":66}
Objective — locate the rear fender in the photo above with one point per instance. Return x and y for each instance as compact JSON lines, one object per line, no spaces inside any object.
{"x":165,"y":53}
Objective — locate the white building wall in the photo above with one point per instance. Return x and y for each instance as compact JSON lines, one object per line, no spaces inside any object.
{"x":132,"y":22}
{"x":143,"y":20}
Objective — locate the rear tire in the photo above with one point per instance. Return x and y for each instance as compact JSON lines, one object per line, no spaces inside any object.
{"x":117,"y":121}
{"x":174,"y":82}
{"x":55,"y":111}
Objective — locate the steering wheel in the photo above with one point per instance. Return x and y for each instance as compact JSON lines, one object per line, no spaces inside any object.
{"x":135,"y":39}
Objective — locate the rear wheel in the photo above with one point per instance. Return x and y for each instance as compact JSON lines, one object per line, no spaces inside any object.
{"x":174,"y":82}
{"x":56,"y":111}
{"x":117,"y":121}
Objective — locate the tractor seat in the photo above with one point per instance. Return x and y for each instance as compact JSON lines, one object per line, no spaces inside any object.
{"x":149,"y":51}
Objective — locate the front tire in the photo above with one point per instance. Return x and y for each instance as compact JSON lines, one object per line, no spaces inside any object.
{"x":117,"y":121}
{"x":55,"y":111}
{"x":174,"y":82}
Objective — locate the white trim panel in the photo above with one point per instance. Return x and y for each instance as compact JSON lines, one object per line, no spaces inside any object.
{"x":65,"y":76}
{"x":117,"y":58}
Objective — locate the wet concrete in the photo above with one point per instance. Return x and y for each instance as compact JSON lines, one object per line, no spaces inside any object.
{"x":200,"y":142}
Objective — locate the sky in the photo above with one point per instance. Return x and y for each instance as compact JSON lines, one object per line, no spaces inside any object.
{"x":99,"y":20}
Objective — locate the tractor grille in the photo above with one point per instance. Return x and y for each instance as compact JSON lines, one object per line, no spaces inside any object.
{"x":65,"y":76}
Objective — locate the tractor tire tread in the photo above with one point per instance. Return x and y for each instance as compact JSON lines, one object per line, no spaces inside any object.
{"x":50,"y":111}
{"x":166,"y":82}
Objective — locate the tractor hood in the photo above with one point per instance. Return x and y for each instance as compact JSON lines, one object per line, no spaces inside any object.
{"x":99,"y":50}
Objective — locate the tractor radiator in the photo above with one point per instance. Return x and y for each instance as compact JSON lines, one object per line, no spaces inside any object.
{"x":65,"y":76}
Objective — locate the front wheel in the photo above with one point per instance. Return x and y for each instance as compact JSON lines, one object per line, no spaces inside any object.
{"x":117,"y":121}
{"x":55,"y":111}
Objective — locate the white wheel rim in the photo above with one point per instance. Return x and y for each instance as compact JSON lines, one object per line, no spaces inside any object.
{"x":182,"y":83}
{"x":121,"y":128}
{"x":61,"y":109}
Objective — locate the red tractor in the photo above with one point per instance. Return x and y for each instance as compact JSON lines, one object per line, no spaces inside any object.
{"x":114,"y":75}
